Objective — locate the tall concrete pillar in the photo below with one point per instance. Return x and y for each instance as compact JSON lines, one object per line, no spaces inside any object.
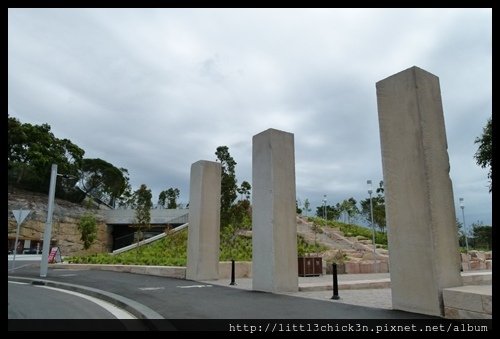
{"x":204,"y":221}
{"x":420,"y":213}
{"x":274,"y":227}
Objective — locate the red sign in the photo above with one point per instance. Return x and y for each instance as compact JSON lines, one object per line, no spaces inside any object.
{"x":54,"y":255}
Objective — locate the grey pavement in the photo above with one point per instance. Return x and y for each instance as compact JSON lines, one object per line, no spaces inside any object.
{"x":352,"y":288}
{"x":369,"y":289}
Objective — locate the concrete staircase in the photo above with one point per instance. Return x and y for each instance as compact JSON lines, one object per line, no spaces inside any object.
{"x":359,"y":252}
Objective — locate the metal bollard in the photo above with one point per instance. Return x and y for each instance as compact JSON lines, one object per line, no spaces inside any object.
{"x":335,"y":283}
{"x":232,"y":273}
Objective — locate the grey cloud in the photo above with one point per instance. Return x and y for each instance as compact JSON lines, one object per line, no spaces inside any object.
{"x":154,"y":90}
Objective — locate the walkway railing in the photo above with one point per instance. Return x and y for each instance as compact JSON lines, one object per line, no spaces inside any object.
{"x":149,"y":240}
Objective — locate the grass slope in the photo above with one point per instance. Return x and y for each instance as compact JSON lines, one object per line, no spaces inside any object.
{"x":172,"y":251}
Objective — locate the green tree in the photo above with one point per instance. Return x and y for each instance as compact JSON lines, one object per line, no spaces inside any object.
{"x":298,"y":210}
{"x":228,"y":183}
{"x":126,"y":198}
{"x":241,"y":211}
{"x":316,"y":228}
{"x":31,"y":151}
{"x":461,"y":234}
{"x":244,"y":190}
{"x":332,"y":212}
{"x":240,"y":217}
{"x":103,"y":181}
{"x":380,"y":189}
{"x":349,"y":209}
{"x":172,"y":194}
{"x":484,"y":153}
{"x":483,"y":236}
{"x":307,"y":206}
{"x":142,"y":203}
{"x":320,"y":211}
{"x":162,"y":198}
{"x":87,"y":225}
{"x":378,"y":208}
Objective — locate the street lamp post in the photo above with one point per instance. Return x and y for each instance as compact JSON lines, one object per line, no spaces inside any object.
{"x":48,"y":225}
{"x":462,"y":206}
{"x":47,"y":234}
{"x":324,"y":206}
{"x":370,"y":191}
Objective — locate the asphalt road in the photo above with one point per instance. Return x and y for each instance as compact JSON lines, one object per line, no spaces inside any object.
{"x":21,"y":263}
{"x":184,"y":299}
{"x":28,"y":301}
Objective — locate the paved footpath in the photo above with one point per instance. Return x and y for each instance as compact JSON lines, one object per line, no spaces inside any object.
{"x":369,"y":290}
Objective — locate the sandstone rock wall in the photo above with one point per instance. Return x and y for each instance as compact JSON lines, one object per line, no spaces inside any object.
{"x":65,"y":233}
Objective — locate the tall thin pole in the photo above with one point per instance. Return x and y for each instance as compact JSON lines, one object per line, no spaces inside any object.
{"x":462,"y":206}
{"x":324,"y":206}
{"x":47,"y":234}
{"x":373,"y":226}
{"x":370,"y":191}
{"x":465,"y":229}
{"x":17,"y":240}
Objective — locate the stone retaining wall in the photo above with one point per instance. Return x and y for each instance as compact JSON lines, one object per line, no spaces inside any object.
{"x":243,"y":269}
{"x":468,"y":302}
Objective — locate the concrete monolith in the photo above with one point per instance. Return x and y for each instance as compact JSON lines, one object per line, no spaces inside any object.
{"x":420,"y":212}
{"x":274,"y":226}
{"x":204,"y":221}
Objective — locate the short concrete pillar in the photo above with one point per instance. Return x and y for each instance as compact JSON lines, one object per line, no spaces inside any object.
{"x":274,"y":226}
{"x":204,"y":221}
{"x":420,"y":212}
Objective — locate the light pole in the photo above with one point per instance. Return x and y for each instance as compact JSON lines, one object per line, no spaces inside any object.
{"x":48,"y":225}
{"x":370,"y":191}
{"x":47,"y":234}
{"x":324,"y":206}
{"x":462,"y":206}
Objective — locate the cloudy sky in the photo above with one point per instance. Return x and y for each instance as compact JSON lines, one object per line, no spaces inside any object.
{"x":154,"y":90}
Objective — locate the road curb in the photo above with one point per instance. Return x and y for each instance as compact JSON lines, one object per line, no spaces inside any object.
{"x":140,"y":311}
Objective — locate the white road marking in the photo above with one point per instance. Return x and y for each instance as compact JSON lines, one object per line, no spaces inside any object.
{"x":115,"y":311}
{"x":67,"y":275}
{"x":194,"y":286}
{"x":151,"y":288}
{"x":18,"y":282}
{"x":18,"y":267}
{"x":21,"y":257}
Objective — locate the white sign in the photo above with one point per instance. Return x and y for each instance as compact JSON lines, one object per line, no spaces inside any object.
{"x":20,"y":215}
